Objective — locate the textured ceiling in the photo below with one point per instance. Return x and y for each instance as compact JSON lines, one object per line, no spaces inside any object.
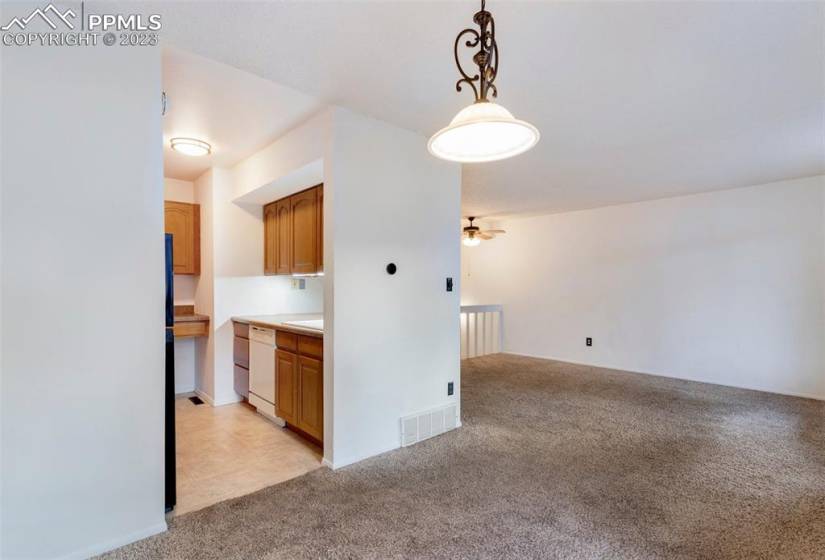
{"x":236,"y":112}
{"x":634,"y":101}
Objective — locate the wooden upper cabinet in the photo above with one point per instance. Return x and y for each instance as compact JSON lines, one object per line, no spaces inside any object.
{"x":304,"y":209}
{"x":271,"y":238}
{"x":283,"y":236}
{"x":182,"y":220}
{"x":294,"y":233}
{"x":320,"y":238}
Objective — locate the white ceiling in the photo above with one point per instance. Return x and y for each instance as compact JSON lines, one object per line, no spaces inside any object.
{"x":236,"y":112}
{"x":634,"y":101}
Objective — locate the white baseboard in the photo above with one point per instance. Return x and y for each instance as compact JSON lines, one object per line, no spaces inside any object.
{"x":204,"y":397}
{"x":335,"y":465}
{"x":669,"y":376}
{"x":106,"y":546}
{"x":227,"y":401}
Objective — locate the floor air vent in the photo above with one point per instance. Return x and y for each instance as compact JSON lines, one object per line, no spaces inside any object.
{"x":418,"y":427}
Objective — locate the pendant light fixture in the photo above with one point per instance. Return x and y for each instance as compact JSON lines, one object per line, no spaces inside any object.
{"x":483,"y":131}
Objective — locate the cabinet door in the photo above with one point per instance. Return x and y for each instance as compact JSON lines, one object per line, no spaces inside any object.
{"x":320,"y":236}
{"x":304,"y":231}
{"x":283,"y":242}
{"x":182,"y":220}
{"x":286,"y":385}
{"x":271,"y":239}
{"x":311,"y":397}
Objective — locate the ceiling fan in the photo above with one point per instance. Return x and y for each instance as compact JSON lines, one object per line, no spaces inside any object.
{"x":472,"y":234}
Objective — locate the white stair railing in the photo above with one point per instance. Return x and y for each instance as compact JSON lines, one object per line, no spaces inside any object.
{"x":482,"y":330}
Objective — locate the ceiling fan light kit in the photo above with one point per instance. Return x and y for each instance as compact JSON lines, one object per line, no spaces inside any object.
{"x":472,"y":235}
{"x":483,"y":131}
{"x":471,"y":240}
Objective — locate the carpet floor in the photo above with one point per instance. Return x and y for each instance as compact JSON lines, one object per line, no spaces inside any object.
{"x":554,"y":460}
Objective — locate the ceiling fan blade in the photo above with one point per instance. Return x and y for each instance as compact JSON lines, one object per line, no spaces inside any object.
{"x":484,"y":235}
{"x":493,"y":231}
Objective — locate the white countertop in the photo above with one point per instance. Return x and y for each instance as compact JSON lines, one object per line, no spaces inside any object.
{"x":307,"y":323}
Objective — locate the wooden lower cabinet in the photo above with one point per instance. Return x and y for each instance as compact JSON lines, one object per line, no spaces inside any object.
{"x":286,"y":387}
{"x":299,"y":383}
{"x":311,"y":396}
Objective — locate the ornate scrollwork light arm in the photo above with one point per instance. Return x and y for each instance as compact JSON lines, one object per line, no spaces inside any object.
{"x":486,"y":58}
{"x":466,"y":78}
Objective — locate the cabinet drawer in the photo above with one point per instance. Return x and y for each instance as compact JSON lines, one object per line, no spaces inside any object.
{"x":191,"y":328}
{"x":240,"y":350}
{"x":241,"y":329}
{"x":241,"y":383}
{"x":311,"y":346}
{"x":286,"y":341}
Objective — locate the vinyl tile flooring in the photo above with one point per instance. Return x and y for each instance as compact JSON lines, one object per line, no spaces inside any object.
{"x":229,"y":451}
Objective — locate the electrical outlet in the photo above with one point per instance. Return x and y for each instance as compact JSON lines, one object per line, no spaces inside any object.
{"x":299,"y":283}
{"x":450,"y":388}
{"x":588,"y":341}
{"x":449,"y":284}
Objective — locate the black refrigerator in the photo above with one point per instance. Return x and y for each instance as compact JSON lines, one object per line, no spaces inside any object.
{"x":169,"y":391}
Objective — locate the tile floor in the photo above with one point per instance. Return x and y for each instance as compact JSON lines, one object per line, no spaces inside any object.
{"x":228,"y":451}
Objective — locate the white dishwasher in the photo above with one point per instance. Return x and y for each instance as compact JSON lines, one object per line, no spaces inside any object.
{"x":262,"y":371}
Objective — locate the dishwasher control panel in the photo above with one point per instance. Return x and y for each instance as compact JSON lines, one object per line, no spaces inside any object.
{"x":264,"y":336}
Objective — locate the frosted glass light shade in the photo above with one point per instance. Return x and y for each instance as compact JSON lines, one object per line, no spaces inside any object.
{"x":483,"y":131}
{"x":190,"y":146}
{"x":471,"y":241}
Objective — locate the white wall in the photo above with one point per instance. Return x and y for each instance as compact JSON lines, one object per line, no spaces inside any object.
{"x":178,"y":190}
{"x":185,"y":286}
{"x":240,"y":285}
{"x":395,"y":338}
{"x":375,"y":176}
{"x":205,"y":290}
{"x":232,"y":236}
{"x":295,"y":150}
{"x":82,"y":300}
{"x":726,"y":287}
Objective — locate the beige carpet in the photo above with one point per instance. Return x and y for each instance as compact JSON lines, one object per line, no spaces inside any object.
{"x":554,"y":461}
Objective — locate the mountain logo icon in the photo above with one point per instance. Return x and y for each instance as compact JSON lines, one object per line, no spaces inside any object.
{"x":43,"y":13}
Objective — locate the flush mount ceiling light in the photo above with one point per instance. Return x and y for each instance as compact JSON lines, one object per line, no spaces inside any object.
{"x":190,"y":146}
{"x":483,"y":131}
